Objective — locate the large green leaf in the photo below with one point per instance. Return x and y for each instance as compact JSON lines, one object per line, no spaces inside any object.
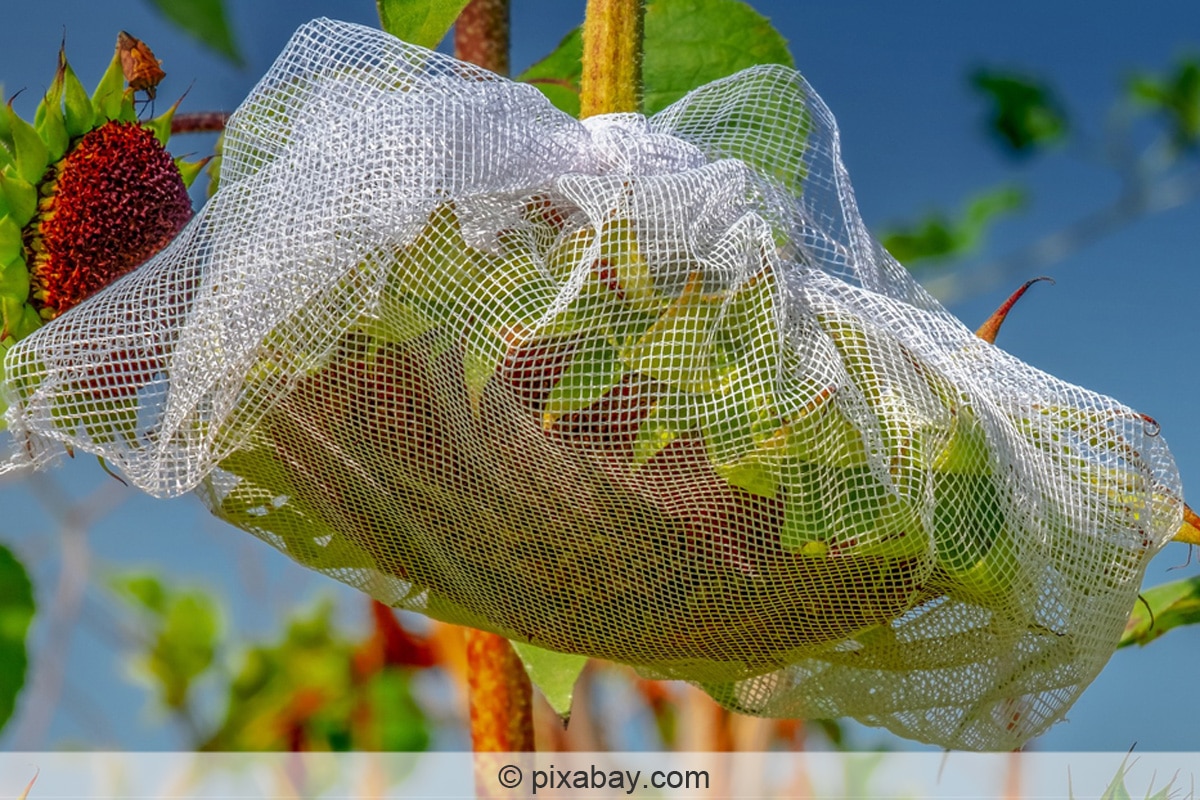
{"x":205,"y":21}
{"x":687,"y":43}
{"x":692,"y":42}
{"x":421,"y":22}
{"x":1162,"y":608}
{"x":558,"y":74}
{"x":553,"y":673}
{"x":16,"y":611}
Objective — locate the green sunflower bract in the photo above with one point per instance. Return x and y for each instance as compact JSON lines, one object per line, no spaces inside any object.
{"x":87,"y":193}
{"x":640,"y":389}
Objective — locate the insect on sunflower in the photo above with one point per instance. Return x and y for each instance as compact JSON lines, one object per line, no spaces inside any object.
{"x":87,"y":192}
{"x":143,"y":72}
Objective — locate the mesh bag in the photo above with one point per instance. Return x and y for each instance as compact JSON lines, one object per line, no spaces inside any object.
{"x":641,"y":389}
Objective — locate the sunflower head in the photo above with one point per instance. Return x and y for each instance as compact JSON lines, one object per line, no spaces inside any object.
{"x":87,"y":193}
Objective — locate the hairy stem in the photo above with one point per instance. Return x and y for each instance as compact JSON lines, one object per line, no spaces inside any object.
{"x":612,"y":57}
{"x":481,"y":35}
{"x":501,"y":698}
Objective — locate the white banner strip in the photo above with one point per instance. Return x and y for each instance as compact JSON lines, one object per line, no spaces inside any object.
{"x":677,"y":776}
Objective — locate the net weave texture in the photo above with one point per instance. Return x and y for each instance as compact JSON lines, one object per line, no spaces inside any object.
{"x":642,"y":389}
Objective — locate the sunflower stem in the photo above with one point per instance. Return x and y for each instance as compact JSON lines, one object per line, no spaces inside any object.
{"x":481,"y":35}
{"x":612,"y":57}
{"x":501,"y":696}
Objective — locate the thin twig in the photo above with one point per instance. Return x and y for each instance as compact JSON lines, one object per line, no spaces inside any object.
{"x":1135,"y":202}
{"x":199,"y":122}
{"x":74,"y":519}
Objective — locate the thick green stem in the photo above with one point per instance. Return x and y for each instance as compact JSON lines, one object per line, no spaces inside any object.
{"x":612,"y":57}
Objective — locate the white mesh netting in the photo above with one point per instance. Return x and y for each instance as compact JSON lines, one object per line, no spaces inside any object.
{"x":642,"y":389}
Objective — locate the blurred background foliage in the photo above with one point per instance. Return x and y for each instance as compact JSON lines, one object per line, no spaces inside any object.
{"x":363,"y":678}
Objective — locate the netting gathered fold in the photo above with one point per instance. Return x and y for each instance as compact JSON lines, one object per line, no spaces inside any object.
{"x":639,"y":388}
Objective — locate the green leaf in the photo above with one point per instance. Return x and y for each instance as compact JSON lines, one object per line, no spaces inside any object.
{"x":109,"y":97}
{"x":16,"y":612}
{"x":420,"y":22}
{"x":1175,"y":97}
{"x":50,"y":122}
{"x":11,"y":248}
{"x":189,"y":170}
{"x":160,"y":126}
{"x":1162,"y":608}
{"x":185,"y":646}
{"x":301,"y":533}
{"x":689,"y":43}
{"x":32,"y":156}
{"x":21,"y":198}
{"x":1116,"y":789}
{"x":554,"y":674}
{"x":144,"y":590}
{"x":401,"y":727}
{"x":939,"y":237}
{"x":677,"y":349}
{"x":205,"y":21}
{"x":312,"y":689}
{"x":483,"y":353}
{"x":980,"y":556}
{"x":558,"y":75}
{"x":214,"y":166}
{"x":669,"y":418}
{"x":1026,"y":115}
{"x":19,"y":318}
{"x":183,"y":627}
{"x":593,"y":371}
{"x":834,"y":732}
{"x":79,"y":110}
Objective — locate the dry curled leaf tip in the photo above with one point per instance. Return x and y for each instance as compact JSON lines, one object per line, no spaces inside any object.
{"x":988,"y":330}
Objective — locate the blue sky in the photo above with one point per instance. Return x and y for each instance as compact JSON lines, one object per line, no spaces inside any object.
{"x":1119,"y":320}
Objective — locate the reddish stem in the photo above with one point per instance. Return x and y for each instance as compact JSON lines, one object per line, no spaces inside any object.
{"x":481,"y":35}
{"x":501,"y":695}
{"x":199,"y":122}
